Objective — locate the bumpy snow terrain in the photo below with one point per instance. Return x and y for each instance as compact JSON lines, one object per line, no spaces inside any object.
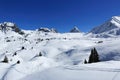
{"x":41,"y":55}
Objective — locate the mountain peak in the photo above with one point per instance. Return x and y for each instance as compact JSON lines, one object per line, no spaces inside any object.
{"x":9,"y":26}
{"x":75,"y":30}
{"x":108,"y":29}
{"x":115,"y":20}
{"x":113,"y":23}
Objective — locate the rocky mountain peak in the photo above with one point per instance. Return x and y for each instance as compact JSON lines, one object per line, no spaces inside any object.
{"x":9,"y":26}
{"x":75,"y":30}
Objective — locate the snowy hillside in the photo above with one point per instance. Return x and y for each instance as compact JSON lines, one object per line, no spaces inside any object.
{"x":44,"y":54}
{"x":109,"y":29}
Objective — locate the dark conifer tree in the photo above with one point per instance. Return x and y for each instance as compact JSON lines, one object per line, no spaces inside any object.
{"x":91,"y":57}
{"x":22,"y":48}
{"x":5,"y":59}
{"x":40,"y":54}
{"x":15,"y":54}
{"x":94,"y":57}
{"x":18,"y":62}
{"x":85,"y":62}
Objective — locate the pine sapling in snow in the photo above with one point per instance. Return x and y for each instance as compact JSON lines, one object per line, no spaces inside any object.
{"x":18,"y":62}
{"x":22,"y":48}
{"x":96,"y":55}
{"x":85,"y":61}
{"x":15,"y":54}
{"x":40,"y":54}
{"x":5,"y":59}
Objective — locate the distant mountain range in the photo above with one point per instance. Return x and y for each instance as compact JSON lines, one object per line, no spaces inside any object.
{"x":111,"y":28}
{"x":9,"y":26}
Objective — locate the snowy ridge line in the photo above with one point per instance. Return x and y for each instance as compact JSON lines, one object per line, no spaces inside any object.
{"x":93,"y":68}
{"x":116,"y":20}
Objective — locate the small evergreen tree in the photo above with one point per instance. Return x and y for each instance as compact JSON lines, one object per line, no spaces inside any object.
{"x":94,"y":57}
{"x":22,"y":48}
{"x":91,"y":57}
{"x":15,"y":54}
{"x":5,"y":59}
{"x":40,"y":54}
{"x":31,"y":47}
{"x":18,"y":62}
{"x":85,"y":61}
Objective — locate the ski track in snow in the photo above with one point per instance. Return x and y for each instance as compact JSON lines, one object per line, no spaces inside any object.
{"x":7,"y":71}
{"x":93,"y":69}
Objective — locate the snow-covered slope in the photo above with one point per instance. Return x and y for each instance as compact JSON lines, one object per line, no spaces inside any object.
{"x":80,"y":72}
{"x":63,"y":55}
{"x":109,"y":29}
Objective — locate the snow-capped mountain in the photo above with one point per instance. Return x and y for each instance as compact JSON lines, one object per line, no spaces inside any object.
{"x":75,"y":30}
{"x":108,"y":29}
{"x":9,"y":26}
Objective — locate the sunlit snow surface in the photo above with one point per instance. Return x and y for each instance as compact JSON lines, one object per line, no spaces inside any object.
{"x":63,"y":57}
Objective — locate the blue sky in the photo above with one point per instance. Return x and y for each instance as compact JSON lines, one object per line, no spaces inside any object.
{"x":60,"y":14}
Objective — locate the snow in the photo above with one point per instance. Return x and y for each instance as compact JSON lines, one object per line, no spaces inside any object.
{"x":77,"y":73}
{"x":63,"y":55}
